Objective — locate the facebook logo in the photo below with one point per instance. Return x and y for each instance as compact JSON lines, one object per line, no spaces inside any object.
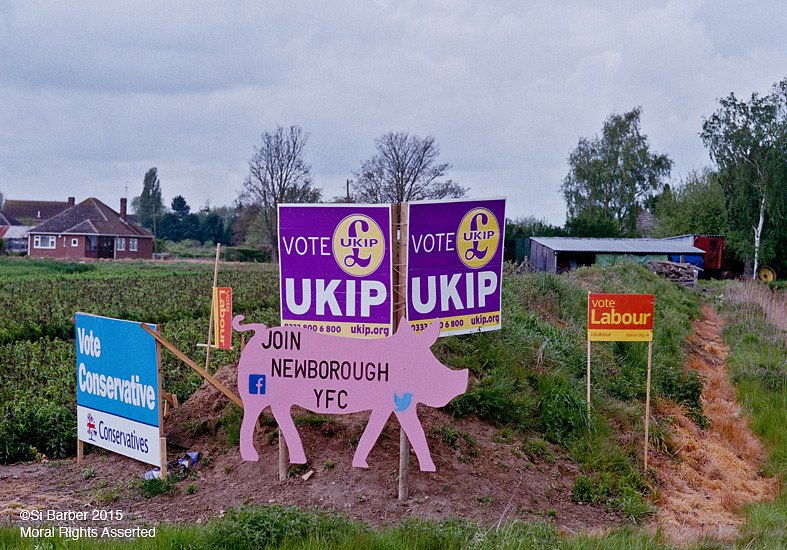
{"x":257,"y":384}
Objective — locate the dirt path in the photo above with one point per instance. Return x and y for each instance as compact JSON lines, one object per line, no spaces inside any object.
{"x":717,"y":471}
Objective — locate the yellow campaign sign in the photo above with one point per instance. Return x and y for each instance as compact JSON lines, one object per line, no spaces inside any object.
{"x":617,"y":335}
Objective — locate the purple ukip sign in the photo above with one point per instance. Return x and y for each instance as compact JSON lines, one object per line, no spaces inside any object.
{"x":335,"y":269}
{"x":455,"y":264}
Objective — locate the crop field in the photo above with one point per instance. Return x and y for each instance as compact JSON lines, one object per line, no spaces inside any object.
{"x":37,"y":350}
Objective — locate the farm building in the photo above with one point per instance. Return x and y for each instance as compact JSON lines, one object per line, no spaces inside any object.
{"x":90,"y":230}
{"x":713,"y":245}
{"x":559,"y":254}
{"x":15,"y":238}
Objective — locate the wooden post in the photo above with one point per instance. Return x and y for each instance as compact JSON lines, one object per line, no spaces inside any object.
{"x":212,"y":291}
{"x":206,"y":375}
{"x":588,"y":370}
{"x":647,"y":402}
{"x":80,"y":450}
{"x":162,"y":439}
{"x":284,"y":457}
{"x":163,"y":444}
{"x":588,"y":379}
{"x":399,"y":238}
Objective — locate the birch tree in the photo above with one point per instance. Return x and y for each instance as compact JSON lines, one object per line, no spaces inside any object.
{"x":748,"y":142}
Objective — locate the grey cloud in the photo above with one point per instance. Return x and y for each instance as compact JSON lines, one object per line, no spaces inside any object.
{"x":92,"y":95}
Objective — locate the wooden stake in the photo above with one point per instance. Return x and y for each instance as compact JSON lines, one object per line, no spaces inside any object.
{"x":399,"y":238}
{"x":162,"y":439}
{"x":212,"y":291}
{"x":206,"y":375}
{"x":404,"y":466}
{"x":80,"y":451}
{"x":647,"y":402}
{"x":588,"y":373}
{"x":588,"y":379}
{"x":284,"y":458}
{"x":163,"y":444}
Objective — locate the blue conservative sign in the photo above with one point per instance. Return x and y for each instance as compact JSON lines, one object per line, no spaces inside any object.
{"x":118,"y":387}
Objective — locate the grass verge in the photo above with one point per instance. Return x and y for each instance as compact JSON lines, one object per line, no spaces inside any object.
{"x":758,"y":366}
{"x":290,"y":528}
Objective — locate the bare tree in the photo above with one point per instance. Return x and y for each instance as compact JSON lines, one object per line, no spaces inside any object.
{"x":278,"y":174}
{"x":404,"y":168}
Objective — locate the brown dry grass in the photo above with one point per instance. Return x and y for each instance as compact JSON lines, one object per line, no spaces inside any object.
{"x":717,"y":471}
{"x":773,"y":302}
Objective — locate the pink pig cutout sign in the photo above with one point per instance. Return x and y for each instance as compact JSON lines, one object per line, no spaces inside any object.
{"x":285,"y":366}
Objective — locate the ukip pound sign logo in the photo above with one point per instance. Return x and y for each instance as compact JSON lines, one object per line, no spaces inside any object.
{"x":478,"y":238}
{"x":358,"y":245}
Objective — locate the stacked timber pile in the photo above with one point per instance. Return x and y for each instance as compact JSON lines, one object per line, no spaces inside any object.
{"x":684,"y":274}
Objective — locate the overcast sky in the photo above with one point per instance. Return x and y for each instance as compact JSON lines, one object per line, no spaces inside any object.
{"x":93,"y":94}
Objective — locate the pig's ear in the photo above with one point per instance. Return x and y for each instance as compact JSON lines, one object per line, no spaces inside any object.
{"x":430,"y":334}
{"x":404,"y":327}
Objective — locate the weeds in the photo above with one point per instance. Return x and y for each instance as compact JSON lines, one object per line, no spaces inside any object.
{"x":230,"y":421}
{"x":150,"y":488}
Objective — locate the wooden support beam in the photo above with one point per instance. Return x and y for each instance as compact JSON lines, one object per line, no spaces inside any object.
{"x":202,"y":372}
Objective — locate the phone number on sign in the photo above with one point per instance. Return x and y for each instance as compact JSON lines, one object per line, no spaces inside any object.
{"x":330,"y":329}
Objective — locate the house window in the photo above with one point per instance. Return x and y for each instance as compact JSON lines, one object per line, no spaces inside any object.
{"x":132,"y":245}
{"x":74,"y":242}
{"x":120,"y":243}
{"x":44,"y":241}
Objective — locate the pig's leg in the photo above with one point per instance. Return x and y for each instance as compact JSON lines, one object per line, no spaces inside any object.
{"x":369,"y":437}
{"x":415,"y":433}
{"x":251,"y":412}
{"x":290,"y":432}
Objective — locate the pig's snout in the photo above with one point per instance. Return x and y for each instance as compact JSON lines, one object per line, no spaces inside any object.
{"x":454,"y":383}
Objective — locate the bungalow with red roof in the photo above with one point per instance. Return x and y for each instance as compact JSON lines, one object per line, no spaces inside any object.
{"x":90,"y":230}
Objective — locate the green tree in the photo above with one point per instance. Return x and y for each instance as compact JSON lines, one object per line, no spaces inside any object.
{"x":404,"y":168}
{"x":696,"y":205}
{"x":211,"y":227}
{"x":593,"y":224}
{"x":170,"y":227}
{"x":748,"y":142}
{"x":278,"y":174}
{"x":148,"y":205}
{"x":611,"y":176}
{"x":524,"y":228}
{"x":180,"y":207}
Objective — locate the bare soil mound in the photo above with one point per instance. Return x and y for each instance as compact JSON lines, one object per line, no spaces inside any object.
{"x":483,"y":475}
{"x":717,"y":470}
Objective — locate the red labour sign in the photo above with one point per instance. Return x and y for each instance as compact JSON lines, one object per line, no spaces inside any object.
{"x":620,"y":317}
